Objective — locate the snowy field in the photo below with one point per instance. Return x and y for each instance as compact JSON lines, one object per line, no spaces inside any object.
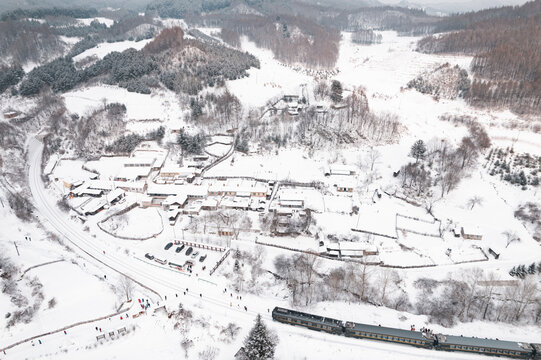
{"x":162,"y":105}
{"x":88,"y":269}
{"x":136,"y":223}
{"x":103,"y":49}
{"x":102,"y":20}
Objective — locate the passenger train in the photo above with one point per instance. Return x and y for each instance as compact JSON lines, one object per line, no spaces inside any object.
{"x":427,"y":340}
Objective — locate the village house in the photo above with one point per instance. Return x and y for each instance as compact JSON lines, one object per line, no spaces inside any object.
{"x":11,"y":114}
{"x":93,"y":207}
{"x":176,"y":201}
{"x":172,"y":173}
{"x":164,"y":190}
{"x":133,"y":173}
{"x":133,"y":186}
{"x":351,"y":249}
{"x":209,"y":204}
{"x":238,"y":188}
{"x":341,"y":170}
{"x":344,"y":184}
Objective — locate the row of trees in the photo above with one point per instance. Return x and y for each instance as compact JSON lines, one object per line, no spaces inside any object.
{"x":40,"y":13}
{"x":127,"y":143}
{"x":522,"y":271}
{"x":444,"y":81}
{"x":139,"y":71}
{"x":24,"y":41}
{"x":9,"y":76}
{"x":192,"y":144}
{"x":464,"y":296}
{"x":292,"y":39}
{"x":366,"y":37}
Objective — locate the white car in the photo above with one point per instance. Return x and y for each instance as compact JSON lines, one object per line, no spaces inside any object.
{"x":194,"y":255}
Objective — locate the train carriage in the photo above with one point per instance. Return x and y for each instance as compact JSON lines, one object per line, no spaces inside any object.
{"x":312,"y":322}
{"x":492,"y":347}
{"x":408,"y":337}
{"x":510,"y":349}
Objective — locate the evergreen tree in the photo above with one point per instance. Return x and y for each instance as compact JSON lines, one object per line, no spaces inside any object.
{"x":418,"y":150}
{"x":260,"y":343}
{"x":531,"y":269}
{"x":513,"y":271}
{"x":539,"y":268}
{"x":336,"y":91}
{"x":521,"y":271}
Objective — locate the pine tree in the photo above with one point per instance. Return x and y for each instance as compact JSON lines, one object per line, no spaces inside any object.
{"x":531,"y":269}
{"x":513,"y":271}
{"x":260,"y":343}
{"x":539,"y":268}
{"x":336,"y":91}
{"x":521,"y":271}
{"x":418,"y":150}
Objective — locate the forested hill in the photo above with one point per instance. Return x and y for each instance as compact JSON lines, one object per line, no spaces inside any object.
{"x":507,"y":55}
{"x":474,"y":19}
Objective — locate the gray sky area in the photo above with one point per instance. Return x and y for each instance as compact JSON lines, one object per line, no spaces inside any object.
{"x":432,"y":2}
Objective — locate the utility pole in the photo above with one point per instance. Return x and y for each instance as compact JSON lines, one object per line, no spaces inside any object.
{"x":16,"y":248}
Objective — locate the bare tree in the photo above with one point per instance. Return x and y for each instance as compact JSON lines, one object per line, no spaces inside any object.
{"x":475,"y":200}
{"x":209,"y":353}
{"x":321,"y":90}
{"x":510,"y":236}
{"x":125,"y":287}
{"x":373,"y":156}
{"x":467,"y":152}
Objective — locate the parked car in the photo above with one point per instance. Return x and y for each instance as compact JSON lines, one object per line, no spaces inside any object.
{"x":148,"y":256}
{"x":189,"y":251}
{"x":194,"y":255}
{"x":202,"y":258}
{"x":161,"y":261}
{"x":168,"y":246}
{"x":179,"y":248}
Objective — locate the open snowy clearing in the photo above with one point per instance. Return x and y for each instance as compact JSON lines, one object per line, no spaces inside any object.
{"x":103,"y":49}
{"x":163,"y":105}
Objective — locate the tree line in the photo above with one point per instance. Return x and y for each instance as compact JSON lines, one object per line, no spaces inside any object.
{"x":292,"y":39}
{"x":140,"y":70}
{"x":507,"y":58}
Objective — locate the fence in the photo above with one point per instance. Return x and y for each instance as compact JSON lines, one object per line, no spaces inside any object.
{"x":373,"y":233}
{"x":220,"y":262}
{"x":202,"y":246}
{"x":433,"y":222}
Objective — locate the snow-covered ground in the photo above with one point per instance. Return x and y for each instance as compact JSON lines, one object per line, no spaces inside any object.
{"x":91,"y":270}
{"x":163,"y":105}
{"x":100,"y":50}
{"x":102,"y":20}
